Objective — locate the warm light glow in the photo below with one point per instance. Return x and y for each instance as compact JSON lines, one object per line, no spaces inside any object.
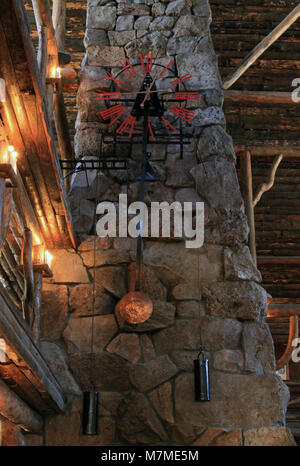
{"x":55,"y":73}
{"x":36,"y":239}
{"x":9,"y":155}
{"x":48,"y":258}
{"x":38,"y":254}
{"x":13,"y":160}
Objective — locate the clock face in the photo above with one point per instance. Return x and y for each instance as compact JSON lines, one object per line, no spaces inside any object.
{"x":145,"y":88}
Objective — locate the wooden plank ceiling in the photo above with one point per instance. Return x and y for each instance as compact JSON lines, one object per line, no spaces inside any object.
{"x":28,"y":127}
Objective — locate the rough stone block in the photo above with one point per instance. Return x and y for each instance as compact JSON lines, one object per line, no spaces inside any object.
{"x":201,"y":8}
{"x":179,"y":7}
{"x":120,"y":38}
{"x":215,"y":141}
{"x":56,"y":359}
{"x":158,"y":9}
{"x":110,"y":372}
{"x":239,"y":265}
{"x":153,"y":41}
{"x":113,"y":279}
{"x":269,"y":437}
{"x":101,"y":17}
{"x":54,"y":311}
{"x":79,"y":330}
{"x":258,"y":348}
{"x":190,"y":309}
{"x":127,"y":346}
{"x":218,"y":334}
{"x":161,"y":399}
{"x":94,"y":37}
{"x":242,"y":300}
{"x":229,"y":361}
{"x":139,"y":423}
{"x":243,"y":400}
{"x":142,"y":23}
{"x":189,"y":25}
{"x":103,"y":55}
{"x":125,"y":23}
{"x":192,"y":265}
{"x":219,"y":437}
{"x":183,"y":335}
{"x":203,"y":67}
{"x":136,"y":9}
{"x":162,"y":23}
{"x":148,"y":350}
{"x":105,"y":257}
{"x":82,"y":304}
{"x":150,"y":374}
{"x":87,"y":142}
{"x":67,"y":267}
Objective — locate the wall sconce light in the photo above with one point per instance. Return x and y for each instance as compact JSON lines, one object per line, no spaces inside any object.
{"x":55,"y":76}
{"x":41,"y":260}
{"x":8,"y":164}
{"x":201,"y":375}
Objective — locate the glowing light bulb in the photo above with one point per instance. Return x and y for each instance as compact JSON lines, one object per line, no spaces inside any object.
{"x":36,"y":239}
{"x":10,"y":148}
{"x":48,"y":258}
{"x":13,"y":160}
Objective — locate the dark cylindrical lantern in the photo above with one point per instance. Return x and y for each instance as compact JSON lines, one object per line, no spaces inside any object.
{"x":90,"y":413}
{"x":201,"y":374}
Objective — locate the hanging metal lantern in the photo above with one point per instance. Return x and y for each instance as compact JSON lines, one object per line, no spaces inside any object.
{"x":90,"y":413}
{"x":201,"y":374}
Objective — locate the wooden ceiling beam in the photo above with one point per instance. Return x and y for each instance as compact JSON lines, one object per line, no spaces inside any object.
{"x":258,"y":97}
{"x":283,"y":310}
{"x":278,"y":260}
{"x":267,"y":150}
{"x":262,"y":47}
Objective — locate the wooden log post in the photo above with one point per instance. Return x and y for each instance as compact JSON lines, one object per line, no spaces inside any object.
{"x":61,"y":122}
{"x":247,"y":193}
{"x":15,"y":410}
{"x":264,"y":187}
{"x":43,"y":53}
{"x":37,"y":301}
{"x":262,"y":47}
{"x":11,"y":435}
{"x":59,"y":22}
{"x":293,"y":333}
{"x":28,"y":298}
{"x":5,"y":209}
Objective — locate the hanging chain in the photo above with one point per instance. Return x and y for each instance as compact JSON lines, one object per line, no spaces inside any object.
{"x":92,"y":359}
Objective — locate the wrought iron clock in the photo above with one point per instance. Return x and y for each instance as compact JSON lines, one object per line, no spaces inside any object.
{"x":164,"y":112}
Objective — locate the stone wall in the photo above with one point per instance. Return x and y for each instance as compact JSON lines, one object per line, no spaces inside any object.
{"x":144,"y":372}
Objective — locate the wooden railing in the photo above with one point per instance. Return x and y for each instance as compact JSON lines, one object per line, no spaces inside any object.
{"x":51,"y":36}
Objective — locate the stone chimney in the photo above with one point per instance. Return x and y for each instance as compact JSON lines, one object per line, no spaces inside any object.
{"x":210,"y":296}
